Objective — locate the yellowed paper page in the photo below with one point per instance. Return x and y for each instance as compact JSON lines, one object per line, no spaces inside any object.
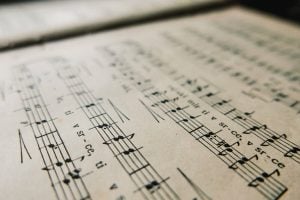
{"x":205,"y":107}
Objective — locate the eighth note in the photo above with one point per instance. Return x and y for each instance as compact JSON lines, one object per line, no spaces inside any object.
{"x":228,"y":149}
{"x":255,"y":128}
{"x":261,"y":179}
{"x":242,"y":161}
{"x":292,"y":151}
{"x":273,"y":139}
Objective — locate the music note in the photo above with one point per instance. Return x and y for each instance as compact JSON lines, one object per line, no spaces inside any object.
{"x":209,"y":134}
{"x":75,"y":174}
{"x":292,"y":151}
{"x":120,"y":137}
{"x":242,"y":161}
{"x":155,"y":93}
{"x":59,"y":164}
{"x":260,"y":179}
{"x":100,"y":164}
{"x":198,"y":89}
{"x":152,"y":186}
{"x":209,"y":94}
{"x":249,"y":113}
{"x":40,"y":122}
{"x":240,"y":118}
{"x":127,"y":152}
{"x":52,"y":146}
{"x":190,"y":82}
{"x":130,"y":150}
{"x":165,"y":101}
{"x":183,"y":120}
{"x":69,"y":160}
{"x":66,"y":181}
{"x":255,"y":128}
{"x":272,"y":140}
{"x":90,"y":105}
{"x":228,"y":149}
{"x":221,"y":102}
{"x":194,"y":117}
{"x":104,"y":126}
{"x":47,"y":168}
{"x":178,"y":109}
{"x":27,"y":109}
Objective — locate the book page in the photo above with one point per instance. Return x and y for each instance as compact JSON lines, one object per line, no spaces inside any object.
{"x":20,"y":23}
{"x":203,"y":107}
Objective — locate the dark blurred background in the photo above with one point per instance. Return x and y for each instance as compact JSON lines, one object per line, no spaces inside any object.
{"x":287,"y":9}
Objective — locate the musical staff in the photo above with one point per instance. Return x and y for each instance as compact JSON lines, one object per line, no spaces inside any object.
{"x":199,"y":108}
{"x":55,"y":156}
{"x":269,"y":187}
{"x":239,"y":74}
{"x":250,"y":125}
{"x":149,"y":182}
{"x":263,"y":38}
{"x":209,"y":93}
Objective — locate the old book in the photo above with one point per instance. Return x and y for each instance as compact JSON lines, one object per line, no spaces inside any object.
{"x":198,"y":107}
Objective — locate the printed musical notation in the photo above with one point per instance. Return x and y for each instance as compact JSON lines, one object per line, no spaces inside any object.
{"x":194,"y":108}
{"x":247,"y":169}
{"x":64,"y":175}
{"x":147,"y":180}
{"x":209,"y":93}
{"x":237,"y":73}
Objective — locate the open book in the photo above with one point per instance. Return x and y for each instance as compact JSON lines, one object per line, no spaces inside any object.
{"x":22,"y":24}
{"x":197,"y":107}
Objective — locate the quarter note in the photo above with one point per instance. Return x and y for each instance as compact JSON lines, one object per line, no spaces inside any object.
{"x":90,"y":105}
{"x":130,"y":150}
{"x":221,"y":102}
{"x":164,"y":101}
{"x":209,"y":94}
{"x":66,"y":181}
{"x":52,"y":146}
{"x":155,"y":93}
{"x":153,"y":186}
{"x":41,"y":122}
{"x":120,"y":137}
{"x":239,"y":117}
{"x":249,"y":113}
{"x":104,"y":126}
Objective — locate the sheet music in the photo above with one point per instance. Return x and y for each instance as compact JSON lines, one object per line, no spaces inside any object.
{"x":204,"y":107}
{"x":33,"y":21}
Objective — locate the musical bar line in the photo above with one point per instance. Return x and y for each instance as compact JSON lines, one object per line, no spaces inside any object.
{"x":63,"y":174}
{"x":149,"y":182}
{"x":265,"y":183}
{"x":208,"y":93}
